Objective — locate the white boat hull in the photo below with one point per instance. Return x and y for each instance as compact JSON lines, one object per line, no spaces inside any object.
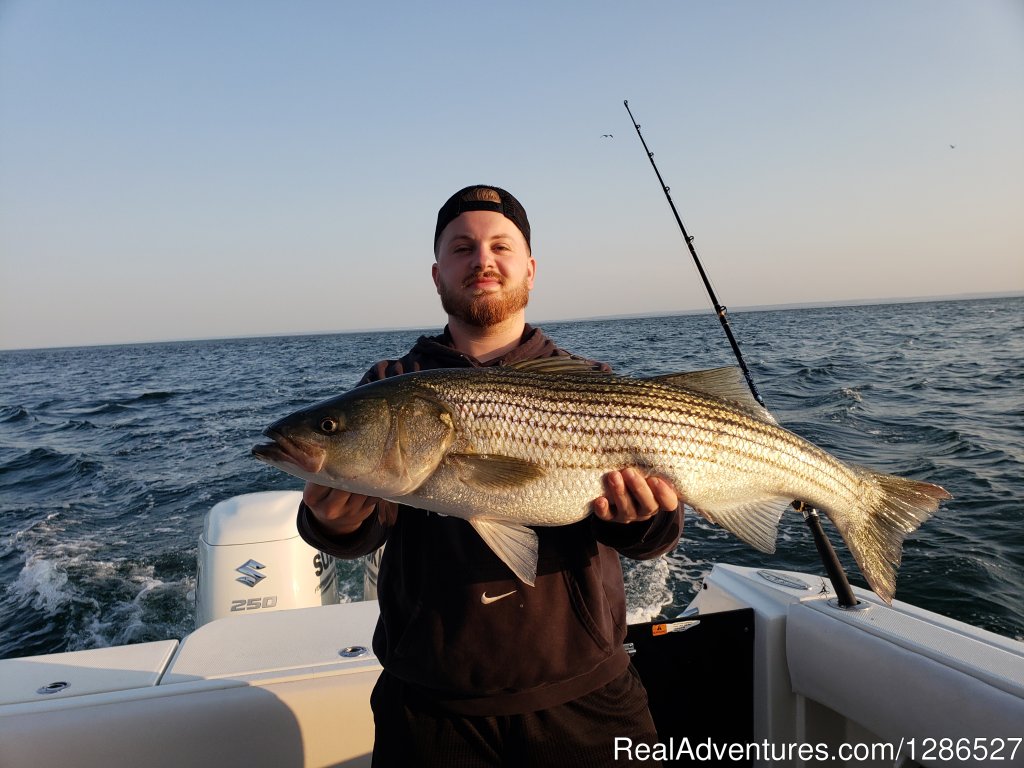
{"x":291,"y":687}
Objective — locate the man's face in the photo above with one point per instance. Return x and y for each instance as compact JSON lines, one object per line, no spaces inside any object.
{"x":484,"y":270}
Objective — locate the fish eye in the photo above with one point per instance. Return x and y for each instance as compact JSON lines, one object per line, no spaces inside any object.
{"x":329,"y":425}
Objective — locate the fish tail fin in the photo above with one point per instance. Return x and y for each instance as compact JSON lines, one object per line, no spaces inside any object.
{"x":892,"y":508}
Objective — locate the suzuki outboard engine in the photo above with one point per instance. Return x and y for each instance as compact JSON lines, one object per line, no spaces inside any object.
{"x":251,"y":558}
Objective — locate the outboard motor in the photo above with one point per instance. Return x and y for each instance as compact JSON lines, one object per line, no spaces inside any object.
{"x":251,"y":558}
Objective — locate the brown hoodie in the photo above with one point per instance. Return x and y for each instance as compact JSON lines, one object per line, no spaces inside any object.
{"x":457,"y":626}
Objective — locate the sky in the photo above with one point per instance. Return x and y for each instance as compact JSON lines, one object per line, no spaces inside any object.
{"x":188,"y":169}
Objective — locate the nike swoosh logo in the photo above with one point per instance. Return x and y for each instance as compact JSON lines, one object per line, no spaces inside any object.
{"x":487,"y":599}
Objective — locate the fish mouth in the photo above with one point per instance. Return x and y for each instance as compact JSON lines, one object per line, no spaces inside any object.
{"x":287,"y":450}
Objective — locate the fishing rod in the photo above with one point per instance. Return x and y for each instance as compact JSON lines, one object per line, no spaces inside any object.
{"x":720,"y":310}
{"x":841,"y":585}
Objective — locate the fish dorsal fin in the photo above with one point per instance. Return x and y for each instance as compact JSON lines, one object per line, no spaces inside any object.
{"x":488,"y":472}
{"x":726,"y":383}
{"x":560,"y":364}
{"x":516,"y":545}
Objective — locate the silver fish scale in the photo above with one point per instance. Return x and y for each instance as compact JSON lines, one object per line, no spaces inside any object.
{"x":590,"y":424}
{"x":592,"y":428}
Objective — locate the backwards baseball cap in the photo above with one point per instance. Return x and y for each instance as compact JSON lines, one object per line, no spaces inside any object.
{"x":481,"y":197}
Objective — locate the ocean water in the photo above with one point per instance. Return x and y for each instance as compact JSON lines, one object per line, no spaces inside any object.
{"x":111,"y":456}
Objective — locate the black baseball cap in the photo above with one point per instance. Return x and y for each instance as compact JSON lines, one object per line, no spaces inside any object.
{"x":482,"y":197}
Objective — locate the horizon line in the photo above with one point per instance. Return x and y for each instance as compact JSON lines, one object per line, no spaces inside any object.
{"x":594,"y":318}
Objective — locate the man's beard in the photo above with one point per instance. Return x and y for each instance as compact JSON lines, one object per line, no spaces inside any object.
{"x":484,"y":309}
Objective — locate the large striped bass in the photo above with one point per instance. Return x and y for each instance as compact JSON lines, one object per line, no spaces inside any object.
{"x":510,"y":447}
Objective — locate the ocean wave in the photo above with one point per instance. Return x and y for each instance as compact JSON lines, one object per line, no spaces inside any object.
{"x":122,"y":404}
{"x":41,"y":584}
{"x":152,"y":397}
{"x":816,"y":373}
{"x":647,"y":588}
{"x":13,"y":414}
{"x":71,"y":425}
{"x":156,"y":610}
{"x":99,"y":409}
{"x":45,"y":465}
{"x":97,"y":602}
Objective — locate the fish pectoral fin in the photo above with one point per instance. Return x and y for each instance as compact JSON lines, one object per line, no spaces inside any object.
{"x":726,"y":383}
{"x":488,"y":472}
{"x":755,"y":522}
{"x":516,"y":545}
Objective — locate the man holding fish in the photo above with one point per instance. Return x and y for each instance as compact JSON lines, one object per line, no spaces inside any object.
{"x":557,"y":465}
{"x":481,"y":666}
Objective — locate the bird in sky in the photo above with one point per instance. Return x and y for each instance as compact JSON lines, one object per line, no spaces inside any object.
{"x":607,"y":136}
